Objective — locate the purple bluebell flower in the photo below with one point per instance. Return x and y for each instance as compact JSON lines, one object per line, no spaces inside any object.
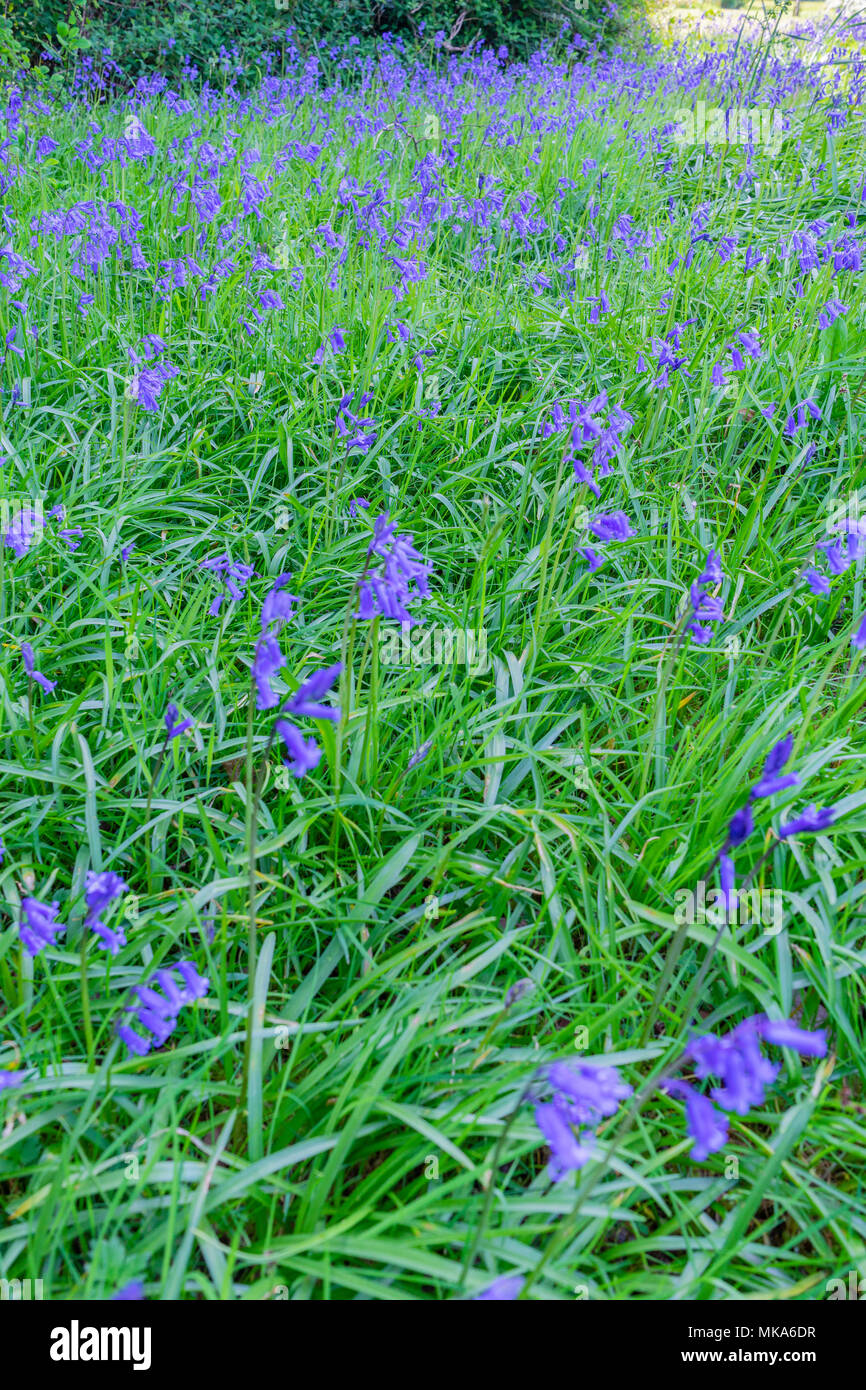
{"x":770,"y":782}
{"x":792,"y":425}
{"x":611,"y":526}
{"x":102,"y":889}
{"x":133,"y":1292}
{"x":420,"y":754}
{"x":279,"y":605}
{"x":707,"y":1126}
{"x":22,"y":531}
{"x":712,"y":571}
{"x":400,"y":581}
{"x":704,"y":609}
{"x":39,"y":925}
{"x":810,"y":821}
{"x":156,"y":1012}
{"x":303,"y":755}
{"x":567,"y":1151}
{"x":587,"y":1091}
{"x":174,"y":728}
{"x":358,"y":504}
{"x":234,"y":576}
{"x":858,"y":640}
{"x":727,"y":880}
{"x":9,"y":1080}
{"x":783,"y":1032}
{"x":504,"y":1289}
{"x":738,"y":1060}
{"x":306,"y":701}
{"x":593,"y":559}
{"x":830,"y":312}
{"x":267,"y":662}
{"x":70,"y":536}
{"x":136,"y":1044}
{"x":741,"y":826}
{"x":818,"y":583}
{"x":30,"y":668}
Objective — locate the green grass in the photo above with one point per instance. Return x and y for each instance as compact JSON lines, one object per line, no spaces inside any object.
{"x":382,"y":1147}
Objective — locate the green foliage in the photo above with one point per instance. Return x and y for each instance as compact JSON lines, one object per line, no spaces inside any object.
{"x":143,"y":35}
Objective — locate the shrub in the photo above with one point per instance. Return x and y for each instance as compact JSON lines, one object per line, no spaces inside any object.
{"x":148,"y":35}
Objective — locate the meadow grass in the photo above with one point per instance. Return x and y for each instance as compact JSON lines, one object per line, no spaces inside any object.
{"x":346,"y":1115}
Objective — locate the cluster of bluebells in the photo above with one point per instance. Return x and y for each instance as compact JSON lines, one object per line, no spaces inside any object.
{"x":157,"y":1012}
{"x":773,"y":779}
{"x":37,"y":677}
{"x":737,"y":1060}
{"x":102,"y":889}
{"x":583,"y":1094}
{"x":39,"y":925}
{"x":28,"y":523}
{"x":151,"y":369}
{"x":400,"y":580}
{"x":585,"y":427}
{"x":840,"y":552}
{"x":357,"y":431}
{"x":302,"y":754}
{"x":703,"y":607}
{"x":234,"y":577}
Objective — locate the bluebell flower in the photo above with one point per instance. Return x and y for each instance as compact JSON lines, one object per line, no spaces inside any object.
{"x":792,"y":426}
{"x":279,"y":604}
{"x":10,"y":1079}
{"x":712,"y":571}
{"x":174,"y":728}
{"x":741,"y":826}
{"x":156,"y":1012}
{"x":39,"y":926}
{"x":506,"y":1288}
{"x":810,"y":821}
{"x":303,"y":756}
{"x":567,"y":1151}
{"x":306,"y":701}
{"x":133,"y":1292}
{"x":400,"y":581}
{"x":770,"y":783}
{"x":858,"y":639}
{"x":101,"y":889}
{"x":704,"y":609}
{"x":234,"y":576}
{"x":611,"y":526}
{"x":737,"y":1059}
{"x":817,"y":582}
{"x":420,"y":754}
{"x":727,"y":880}
{"x":707,"y":1126}
{"x":30,"y":668}
{"x":268,"y":660}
